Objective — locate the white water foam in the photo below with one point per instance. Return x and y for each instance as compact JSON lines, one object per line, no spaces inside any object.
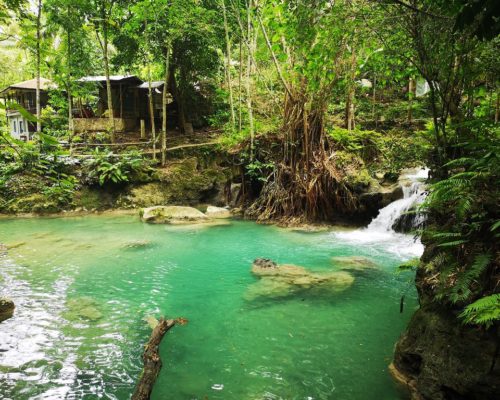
{"x":380,"y":231}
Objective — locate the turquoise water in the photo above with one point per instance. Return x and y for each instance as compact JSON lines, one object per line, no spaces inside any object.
{"x":83,"y":287}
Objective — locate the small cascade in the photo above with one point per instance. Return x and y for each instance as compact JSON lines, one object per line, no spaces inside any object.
{"x":381,"y":229}
{"x":397,"y":211}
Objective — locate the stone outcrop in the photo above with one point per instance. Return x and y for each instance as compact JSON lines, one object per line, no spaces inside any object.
{"x":439,"y":358}
{"x":173,"y":215}
{"x":218,"y":212}
{"x":285,"y":279}
{"x":6,"y":308}
{"x":180,"y":182}
{"x":378,"y":196}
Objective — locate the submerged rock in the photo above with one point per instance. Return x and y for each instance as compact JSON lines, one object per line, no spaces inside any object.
{"x":7,"y":307}
{"x":138,"y":244}
{"x":82,"y":308}
{"x":217,"y":212}
{"x":270,"y":288}
{"x":173,"y":215}
{"x":354,"y":263}
{"x":15,"y":245}
{"x":283,"y":280}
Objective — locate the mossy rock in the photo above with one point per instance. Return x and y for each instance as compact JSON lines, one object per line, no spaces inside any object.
{"x":7,"y":308}
{"x":283,"y":280}
{"x":356,"y":174}
{"x":90,"y":198}
{"x":182,"y":181}
{"x":173,"y":215}
{"x":35,"y":203}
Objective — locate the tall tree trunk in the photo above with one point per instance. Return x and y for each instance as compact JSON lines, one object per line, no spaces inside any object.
{"x":108,"y":81}
{"x":240,"y":78}
{"x":248,"y":79}
{"x":412,"y":87}
{"x":228,"y":65}
{"x":38,"y":63}
{"x":374,"y":101}
{"x":150,"y":92}
{"x":349,"y":107}
{"x":497,"y":108}
{"x":71,"y":128}
{"x":164,"y":108}
{"x":151,"y":111}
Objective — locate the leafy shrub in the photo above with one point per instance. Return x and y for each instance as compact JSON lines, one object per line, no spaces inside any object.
{"x":108,"y":167}
{"x":388,"y":152}
{"x":259,"y":170}
{"x":464,"y":264}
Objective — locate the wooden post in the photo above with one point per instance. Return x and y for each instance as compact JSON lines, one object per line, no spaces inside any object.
{"x":121,"y":102}
{"x":143,"y":130}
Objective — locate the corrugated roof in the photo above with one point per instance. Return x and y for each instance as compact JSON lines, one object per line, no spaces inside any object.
{"x":102,"y":78}
{"x":45,"y":84}
{"x":154,"y":85}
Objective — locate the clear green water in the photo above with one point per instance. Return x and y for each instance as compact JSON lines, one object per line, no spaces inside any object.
{"x":82,"y":292}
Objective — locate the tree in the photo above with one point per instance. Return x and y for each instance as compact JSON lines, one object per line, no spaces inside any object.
{"x":306,"y":185}
{"x":74,"y":56}
{"x":101,"y":13}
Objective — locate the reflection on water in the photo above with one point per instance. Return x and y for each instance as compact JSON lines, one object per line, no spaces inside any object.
{"x":83,"y":286}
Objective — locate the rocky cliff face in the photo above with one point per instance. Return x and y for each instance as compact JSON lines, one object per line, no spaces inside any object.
{"x":439,"y":358}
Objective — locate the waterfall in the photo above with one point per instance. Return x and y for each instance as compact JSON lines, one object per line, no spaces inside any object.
{"x":413,"y":195}
{"x":381,"y":228}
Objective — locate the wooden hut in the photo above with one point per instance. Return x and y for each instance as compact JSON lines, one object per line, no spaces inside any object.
{"x":24,"y":95}
{"x":130,"y":103}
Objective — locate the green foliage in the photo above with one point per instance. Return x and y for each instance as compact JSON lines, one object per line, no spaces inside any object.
{"x":354,"y":140}
{"x":36,"y":176}
{"x":464,"y":266}
{"x":259,"y":170}
{"x":484,"y":311}
{"x":107,"y":167}
{"x":388,"y":152}
{"x":410,"y":265}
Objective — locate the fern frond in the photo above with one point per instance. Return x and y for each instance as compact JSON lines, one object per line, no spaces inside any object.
{"x":461,"y":290}
{"x":495,"y":226}
{"x":445,"y":234}
{"x":459,"y":162}
{"x":453,"y":243}
{"x":483,"y":311}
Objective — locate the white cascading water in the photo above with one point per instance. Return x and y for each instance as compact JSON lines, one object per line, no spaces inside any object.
{"x":380,"y":230}
{"x":413,"y":194}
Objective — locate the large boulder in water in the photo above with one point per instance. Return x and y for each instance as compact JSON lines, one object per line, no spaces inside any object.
{"x":286,"y":279}
{"x":173,"y":215}
{"x":217,"y":212}
{"x":6,"y":308}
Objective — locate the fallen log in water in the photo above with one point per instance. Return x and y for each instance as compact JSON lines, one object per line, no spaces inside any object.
{"x":152,"y":361}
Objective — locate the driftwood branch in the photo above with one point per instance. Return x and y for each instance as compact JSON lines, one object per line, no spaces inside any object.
{"x":152,"y":361}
